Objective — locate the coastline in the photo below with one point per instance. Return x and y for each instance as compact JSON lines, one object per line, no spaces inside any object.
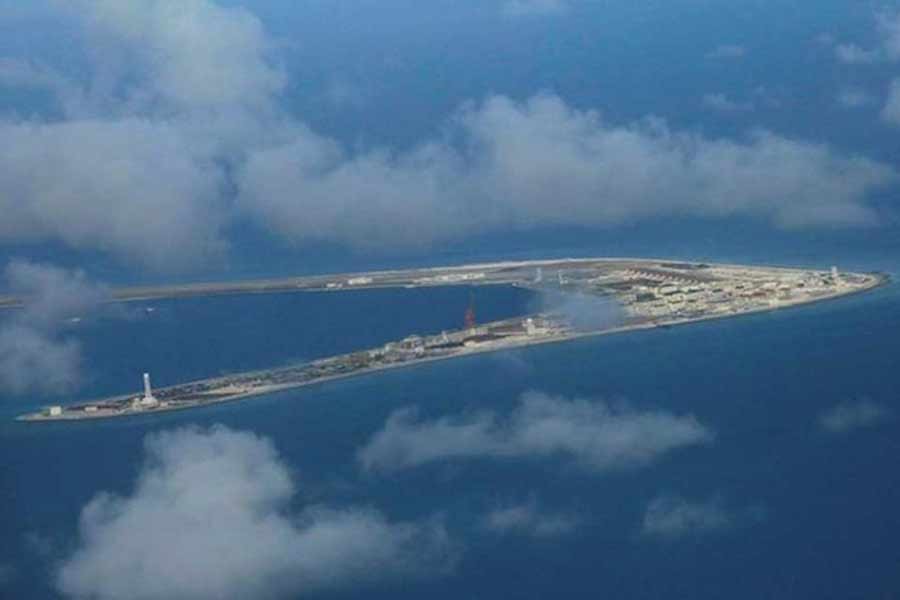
{"x":410,"y":277}
{"x":880,"y":280}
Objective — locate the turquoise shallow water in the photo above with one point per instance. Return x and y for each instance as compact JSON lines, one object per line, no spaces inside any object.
{"x":823,"y":508}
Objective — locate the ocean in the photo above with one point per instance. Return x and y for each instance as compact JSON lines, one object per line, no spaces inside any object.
{"x":813,"y":512}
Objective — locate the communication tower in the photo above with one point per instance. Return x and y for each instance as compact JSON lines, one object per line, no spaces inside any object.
{"x":470,"y":313}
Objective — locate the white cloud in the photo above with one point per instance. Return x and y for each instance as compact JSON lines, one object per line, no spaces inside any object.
{"x":210,"y":517}
{"x":542,"y":163}
{"x":136,"y":166}
{"x":32,"y":360}
{"x":131,"y":186}
{"x":181,"y":55}
{"x":594,"y":434}
{"x":51,"y":293}
{"x":759,"y":97}
{"x":531,"y":520}
{"x":524,"y":8}
{"x":311,"y":189}
{"x":583,"y":311}
{"x":849,"y":416}
{"x":34,"y":356}
{"x":727,"y":52}
{"x":888,"y":47}
{"x":851,"y":54}
{"x":671,"y":517}
{"x":722,"y":103}
{"x":181,"y":109}
{"x":888,"y":25}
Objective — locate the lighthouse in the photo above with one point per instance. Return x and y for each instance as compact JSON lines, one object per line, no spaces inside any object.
{"x":148,"y":401}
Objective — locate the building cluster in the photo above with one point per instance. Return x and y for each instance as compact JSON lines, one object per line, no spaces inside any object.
{"x":351,"y":282}
{"x":409,"y":349}
{"x":442,"y":279}
{"x":448,"y":278}
{"x":416,"y":346}
{"x":656,"y":294}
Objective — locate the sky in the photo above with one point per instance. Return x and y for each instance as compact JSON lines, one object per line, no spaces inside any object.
{"x":173,"y":139}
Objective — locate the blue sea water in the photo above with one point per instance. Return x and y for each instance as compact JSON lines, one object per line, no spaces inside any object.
{"x":825,"y":524}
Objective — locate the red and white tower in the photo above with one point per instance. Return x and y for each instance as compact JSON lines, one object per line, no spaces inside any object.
{"x":470,"y":314}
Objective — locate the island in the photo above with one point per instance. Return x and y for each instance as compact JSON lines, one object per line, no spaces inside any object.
{"x":648,"y":293}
